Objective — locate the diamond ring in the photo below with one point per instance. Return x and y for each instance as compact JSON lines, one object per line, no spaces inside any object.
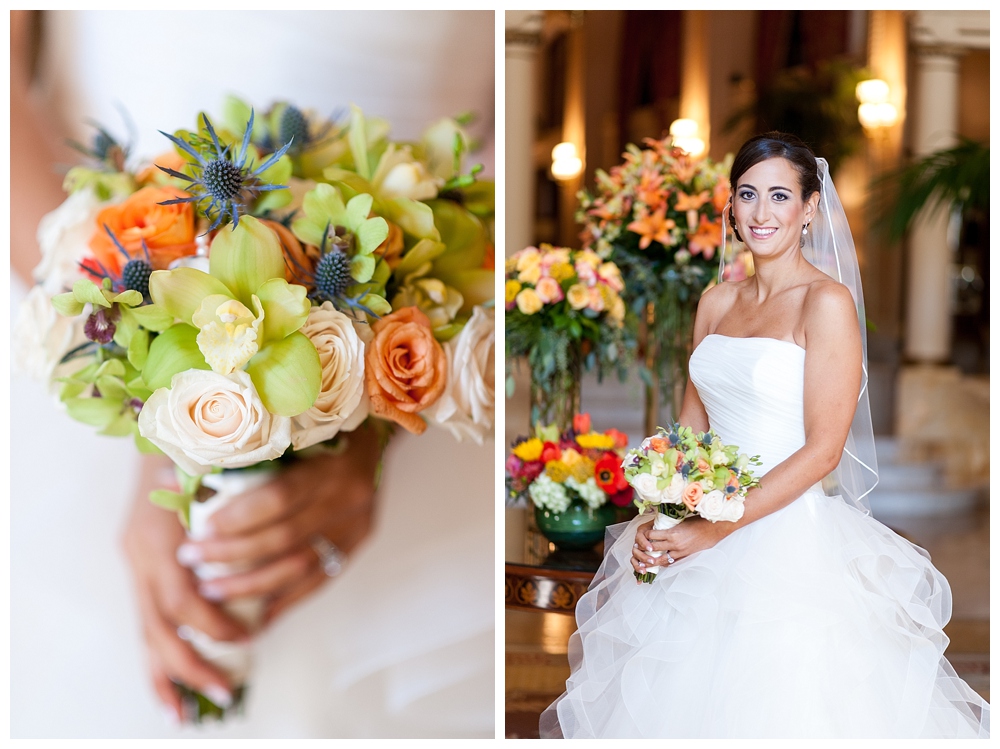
{"x":670,"y":559}
{"x":329,"y":555}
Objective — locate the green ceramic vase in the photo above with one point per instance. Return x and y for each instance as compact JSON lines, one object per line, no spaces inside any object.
{"x":579,"y":527}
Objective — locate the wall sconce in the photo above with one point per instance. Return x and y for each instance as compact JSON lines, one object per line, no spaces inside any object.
{"x":875,"y":110}
{"x":685,"y":137}
{"x":566,"y":163}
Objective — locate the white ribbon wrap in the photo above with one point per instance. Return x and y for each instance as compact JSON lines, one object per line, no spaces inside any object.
{"x":232,"y":658}
{"x":661,"y":523}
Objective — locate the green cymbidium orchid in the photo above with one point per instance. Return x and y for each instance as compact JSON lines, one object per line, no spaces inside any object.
{"x":241,"y":314}
{"x":347,"y":272}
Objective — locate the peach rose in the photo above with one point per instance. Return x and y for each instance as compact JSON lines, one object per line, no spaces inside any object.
{"x":406,"y":370}
{"x":153,"y":176}
{"x":549,"y":290}
{"x":391,"y":249}
{"x":658,"y":444}
{"x":692,"y":494}
{"x":168,"y":230}
{"x":703,"y":466}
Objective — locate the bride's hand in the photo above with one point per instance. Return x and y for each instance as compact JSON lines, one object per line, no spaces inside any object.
{"x":168,"y":599}
{"x":683,"y":540}
{"x":270,"y":528}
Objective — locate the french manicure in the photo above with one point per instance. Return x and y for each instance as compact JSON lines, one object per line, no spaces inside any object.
{"x":189,"y":555}
{"x":211,"y":592}
{"x":219,"y":696}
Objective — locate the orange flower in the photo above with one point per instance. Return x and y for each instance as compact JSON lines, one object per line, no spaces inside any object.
{"x":299,"y":258}
{"x":704,"y":466}
{"x":153,"y":176}
{"x":659,"y":444}
{"x":650,"y":189}
{"x":620,"y":438}
{"x":581,"y":423}
{"x":687,"y":202}
{"x":406,"y":370}
{"x":653,"y":227}
{"x":683,"y":167}
{"x":720,"y":196}
{"x":391,"y":250}
{"x":707,"y":237}
{"x":489,"y":257}
{"x":692,"y":495}
{"x":168,"y":230}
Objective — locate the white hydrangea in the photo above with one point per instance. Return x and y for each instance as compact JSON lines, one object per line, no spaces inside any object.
{"x":548,"y":494}
{"x":592,"y":495}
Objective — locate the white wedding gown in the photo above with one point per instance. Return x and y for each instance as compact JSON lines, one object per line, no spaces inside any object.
{"x":815,"y":621}
{"x":402,"y":643}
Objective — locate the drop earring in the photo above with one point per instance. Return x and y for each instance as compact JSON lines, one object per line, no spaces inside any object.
{"x":805,"y":229}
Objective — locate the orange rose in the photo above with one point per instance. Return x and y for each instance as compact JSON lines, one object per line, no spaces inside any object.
{"x":153,"y":176}
{"x":692,"y":495}
{"x":391,"y":250}
{"x":703,"y":466}
{"x":168,"y":230}
{"x":658,"y":444}
{"x":406,"y":370}
{"x":299,"y":258}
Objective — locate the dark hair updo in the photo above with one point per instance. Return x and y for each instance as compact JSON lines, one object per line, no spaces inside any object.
{"x":776,"y":145}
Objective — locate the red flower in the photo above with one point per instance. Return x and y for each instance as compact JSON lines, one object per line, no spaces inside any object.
{"x":581,"y":423}
{"x":609,"y":475}
{"x":622,"y":498}
{"x":531,"y":470}
{"x":621,"y":439}
{"x":550,"y":451}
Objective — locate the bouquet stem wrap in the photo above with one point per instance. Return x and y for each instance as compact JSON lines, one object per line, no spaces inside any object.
{"x":233,"y":658}
{"x":661,"y":522}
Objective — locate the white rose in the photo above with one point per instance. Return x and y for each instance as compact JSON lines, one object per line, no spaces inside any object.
{"x":645,"y":486}
{"x":719,"y":458}
{"x":733,"y":509}
{"x":674,"y":492}
{"x":342,"y":402}
{"x":206,"y":420}
{"x":400,"y":175}
{"x":64,"y":240}
{"x":466,"y":408}
{"x":40,"y":337}
{"x":712,"y":506}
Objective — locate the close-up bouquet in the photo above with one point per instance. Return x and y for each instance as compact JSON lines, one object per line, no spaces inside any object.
{"x":266,"y":286}
{"x":659,"y":217}
{"x":678,"y":473}
{"x":565,"y":314}
{"x":572,"y":478}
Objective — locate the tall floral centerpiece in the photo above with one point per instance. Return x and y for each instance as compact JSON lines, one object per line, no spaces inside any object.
{"x":264,"y":288}
{"x":564,"y":315}
{"x":659,"y":217}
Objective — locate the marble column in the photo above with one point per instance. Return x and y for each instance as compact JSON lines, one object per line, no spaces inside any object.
{"x":935,"y":124}
{"x":523,"y":33}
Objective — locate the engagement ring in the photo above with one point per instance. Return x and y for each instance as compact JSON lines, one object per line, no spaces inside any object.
{"x":329,"y":555}
{"x":670,"y":559}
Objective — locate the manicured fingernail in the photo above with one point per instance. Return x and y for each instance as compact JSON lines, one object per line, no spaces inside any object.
{"x":171,"y":717}
{"x":211,"y":592}
{"x":219,"y":696}
{"x":649,"y":548}
{"x":635,"y":546}
{"x":189,"y":555}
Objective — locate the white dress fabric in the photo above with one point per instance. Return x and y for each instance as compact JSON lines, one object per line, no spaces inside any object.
{"x":402,"y":643}
{"x":815,"y":621}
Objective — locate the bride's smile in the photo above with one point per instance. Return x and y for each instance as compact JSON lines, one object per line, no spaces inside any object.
{"x":768,"y":209}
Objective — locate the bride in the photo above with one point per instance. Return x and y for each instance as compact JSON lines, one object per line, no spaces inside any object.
{"x":399,"y":644}
{"x":807,"y":618}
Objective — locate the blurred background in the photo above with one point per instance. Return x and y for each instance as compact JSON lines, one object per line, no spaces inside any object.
{"x":898,"y":102}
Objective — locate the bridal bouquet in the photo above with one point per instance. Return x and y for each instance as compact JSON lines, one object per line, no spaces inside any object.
{"x":659,"y":216}
{"x":564,"y":313}
{"x":265,"y":287}
{"x":678,"y":473}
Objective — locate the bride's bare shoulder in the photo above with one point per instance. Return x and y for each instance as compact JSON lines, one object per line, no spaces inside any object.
{"x":828,"y":308}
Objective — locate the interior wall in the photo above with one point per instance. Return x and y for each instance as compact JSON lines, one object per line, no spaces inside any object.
{"x":730,"y":75}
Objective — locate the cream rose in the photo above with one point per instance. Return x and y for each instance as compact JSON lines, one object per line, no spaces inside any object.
{"x":467,"y":405}
{"x":206,"y":420}
{"x":341,"y":404}
{"x":732,"y":509}
{"x":674,"y":492}
{"x":712,"y":505}
{"x":645,"y":486}
{"x":64,"y":240}
{"x":41,"y":337}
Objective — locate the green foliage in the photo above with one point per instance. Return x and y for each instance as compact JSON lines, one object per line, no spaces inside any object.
{"x":956,"y":177}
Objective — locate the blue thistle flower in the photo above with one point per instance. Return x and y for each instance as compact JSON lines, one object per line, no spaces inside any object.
{"x":225,"y":182}
{"x":330,"y":277}
{"x":135,"y":273}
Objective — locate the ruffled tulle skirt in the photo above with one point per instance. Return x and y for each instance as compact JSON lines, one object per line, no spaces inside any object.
{"x":816,"y":621}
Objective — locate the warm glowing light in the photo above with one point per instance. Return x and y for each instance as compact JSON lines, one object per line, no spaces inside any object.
{"x":875,"y":110}
{"x":566,"y":164}
{"x":685,"y":134}
{"x":872,"y":91}
{"x":683,"y":129}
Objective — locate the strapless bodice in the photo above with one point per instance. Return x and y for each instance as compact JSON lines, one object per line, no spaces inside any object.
{"x":752,"y":391}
